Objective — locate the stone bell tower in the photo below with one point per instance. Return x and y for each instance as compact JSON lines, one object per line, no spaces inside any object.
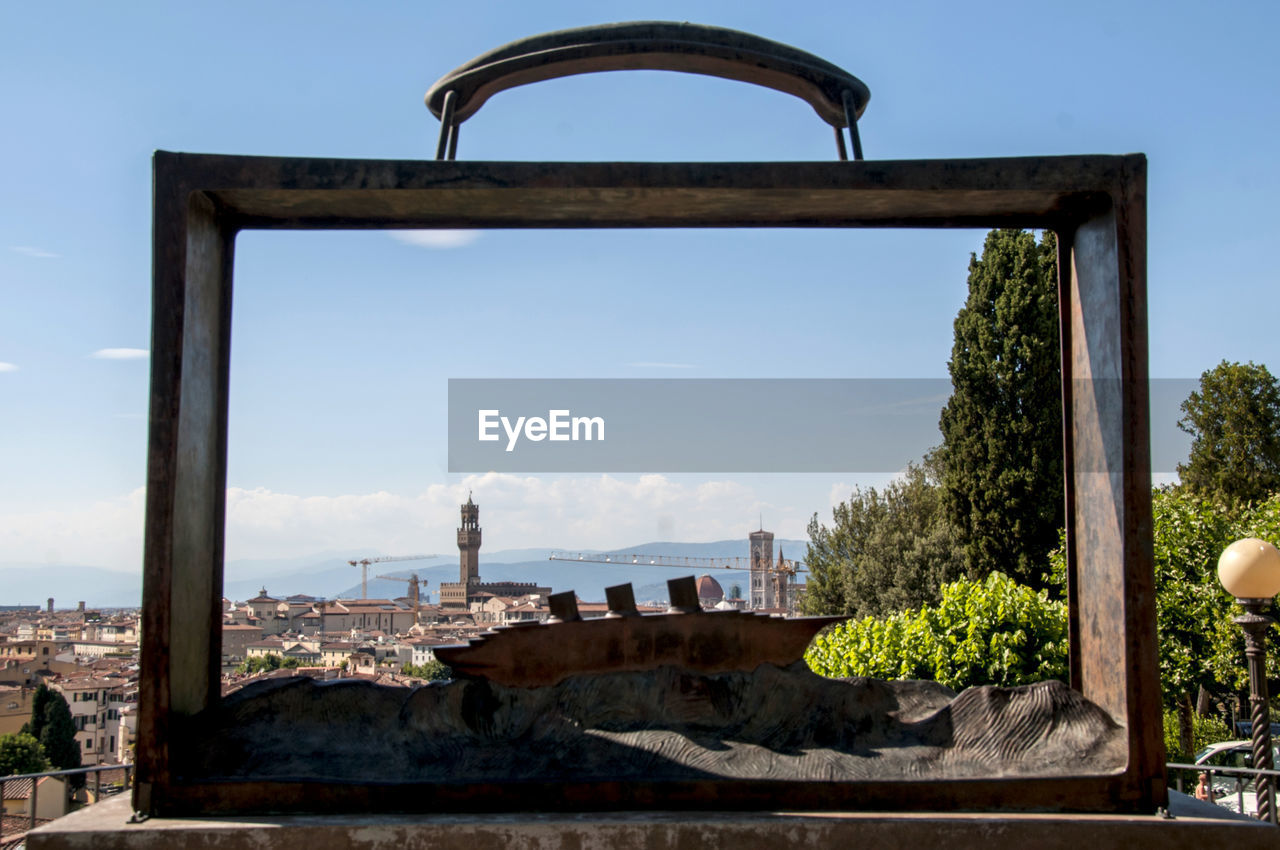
{"x":761,"y":561}
{"x":469,"y":544}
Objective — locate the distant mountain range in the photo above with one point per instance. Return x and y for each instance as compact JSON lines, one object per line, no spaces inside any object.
{"x":327,"y":574}
{"x":33,"y":584}
{"x":588,"y":579}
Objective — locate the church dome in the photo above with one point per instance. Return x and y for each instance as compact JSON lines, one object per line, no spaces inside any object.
{"x":710,"y":589}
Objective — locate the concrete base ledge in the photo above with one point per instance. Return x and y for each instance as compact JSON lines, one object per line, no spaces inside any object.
{"x":105,"y":827}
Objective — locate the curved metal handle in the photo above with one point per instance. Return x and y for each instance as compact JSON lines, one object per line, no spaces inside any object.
{"x":837,"y":96}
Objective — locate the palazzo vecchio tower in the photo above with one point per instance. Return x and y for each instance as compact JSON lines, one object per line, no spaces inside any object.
{"x":469,"y":544}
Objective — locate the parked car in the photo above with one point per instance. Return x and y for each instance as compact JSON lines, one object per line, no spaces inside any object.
{"x":1231,"y":792}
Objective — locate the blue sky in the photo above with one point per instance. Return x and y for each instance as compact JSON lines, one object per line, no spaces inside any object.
{"x":344,"y":341}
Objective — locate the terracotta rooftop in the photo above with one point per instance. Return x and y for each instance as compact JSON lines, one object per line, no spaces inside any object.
{"x":17,"y":789}
{"x":90,"y":683}
{"x":14,"y":830}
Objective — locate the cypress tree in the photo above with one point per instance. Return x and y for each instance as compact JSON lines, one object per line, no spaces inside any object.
{"x":58,"y":737}
{"x":39,"y":705}
{"x":1002,"y":428}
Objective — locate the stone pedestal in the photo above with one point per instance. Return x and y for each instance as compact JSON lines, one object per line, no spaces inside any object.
{"x":1194,"y":826}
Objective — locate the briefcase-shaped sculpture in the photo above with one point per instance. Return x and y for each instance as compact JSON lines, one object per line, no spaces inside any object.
{"x":653,"y":717}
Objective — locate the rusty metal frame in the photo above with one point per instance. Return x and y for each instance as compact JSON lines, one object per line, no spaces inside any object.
{"x":1097,"y":206}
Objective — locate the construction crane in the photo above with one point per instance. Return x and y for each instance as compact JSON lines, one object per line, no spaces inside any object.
{"x":676,"y":561}
{"x":777,"y":572}
{"x":363,"y":564}
{"x":414,"y":585}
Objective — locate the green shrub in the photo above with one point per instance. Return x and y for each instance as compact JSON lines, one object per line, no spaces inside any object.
{"x":1204,"y":731}
{"x":990,"y":632}
{"x":431,"y":671}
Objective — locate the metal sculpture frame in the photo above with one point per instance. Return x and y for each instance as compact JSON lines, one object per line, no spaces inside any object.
{"x":1095,"y":204}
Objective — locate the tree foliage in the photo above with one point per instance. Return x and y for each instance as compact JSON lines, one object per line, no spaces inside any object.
{"x":57,"y":730}
{"x":267,"y":663}
{"x":989,"y":632}
{"x":39,"y":706}
{"x":20,"y":752}
{"x":1002,"y":427}
{"x":886,"y":550}
{"x":431,"y":671}
{"x":1204,"y":731}
{"x":1198,"y":644}
{"x":1234,"y":421}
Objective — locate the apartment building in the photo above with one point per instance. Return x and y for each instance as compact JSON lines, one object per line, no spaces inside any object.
{"x":95,"y":703}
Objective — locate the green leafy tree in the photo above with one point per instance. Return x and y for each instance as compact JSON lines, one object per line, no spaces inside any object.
{"x":267,"y":663}
{"x":20,"y":753}
{"x":431,"y":671}
{"x":1204,"y":731}
{"x":1199,"y":646}
{"x":1002,"y":427}
{"x":989,"y":632}
{"x":1234,"y":421}
{"x":886,"y":550}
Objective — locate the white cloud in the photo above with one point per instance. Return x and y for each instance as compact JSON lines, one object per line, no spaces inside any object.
{"x":646,"y":364}
{"x":518,"y":512}
{"x":120,"y":354}
{"x":7,"y":367}
{"x":436,"y":238}
{"x":600,"y":512}
{"x":38,"y":253}
{"x":107,"y":533}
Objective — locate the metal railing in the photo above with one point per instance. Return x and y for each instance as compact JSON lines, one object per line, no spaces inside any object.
{"x":1242,"y":776}
{"x":96,"y":770}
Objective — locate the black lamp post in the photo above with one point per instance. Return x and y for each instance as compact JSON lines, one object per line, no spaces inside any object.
{"x":1249,"y":569}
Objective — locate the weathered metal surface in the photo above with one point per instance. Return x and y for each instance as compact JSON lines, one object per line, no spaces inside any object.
{"x":708,"y":732}
{"x":621,"y":600}
{"x":1096,"y":204}
{"x":657,"y":46}
{"x":274,"y":192}
{"x":182,"y":565}
{"x":1107,"y":436}
{"x":563,"y":607}
{"x":688,"y":639}
{"x":683,"y":595}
